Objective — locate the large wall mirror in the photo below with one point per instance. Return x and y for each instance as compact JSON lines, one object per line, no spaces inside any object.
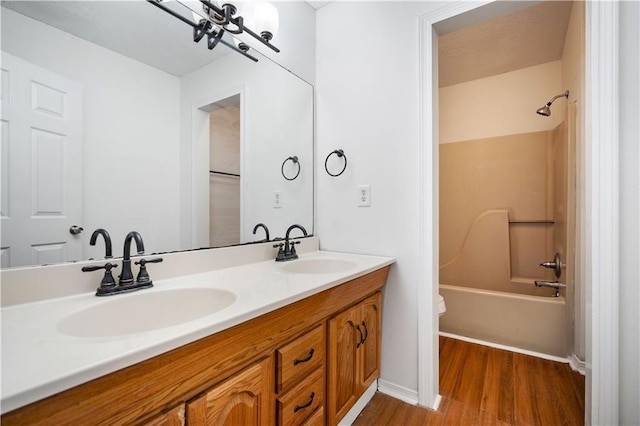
{"x":113,"y":118}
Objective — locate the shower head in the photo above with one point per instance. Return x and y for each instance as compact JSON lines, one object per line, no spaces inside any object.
{"x":546,"y":110}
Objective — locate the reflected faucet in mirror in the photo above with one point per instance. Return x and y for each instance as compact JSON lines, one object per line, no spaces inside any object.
{"x":266,"y":231}
{"x":107,"y":241}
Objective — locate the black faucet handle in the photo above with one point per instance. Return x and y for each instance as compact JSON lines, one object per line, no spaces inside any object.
{"x":143,"y":261}
{"x":293,"y":249}
{"x":143,"y":274}
{"x":107,"y":279}
{"x":281,"y":251}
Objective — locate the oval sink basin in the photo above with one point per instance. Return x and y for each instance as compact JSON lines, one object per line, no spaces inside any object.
{"x":317,"y":266}
{"x":145,"y":311}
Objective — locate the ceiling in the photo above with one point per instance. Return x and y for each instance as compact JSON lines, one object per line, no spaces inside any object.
{"x":161,"y":40}
{"x":318,"y":4}
{"x":521,"y":39}
{"x":527,"y":37}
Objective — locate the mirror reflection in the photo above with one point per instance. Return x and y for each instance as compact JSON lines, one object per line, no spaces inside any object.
{"x":112,"y":117}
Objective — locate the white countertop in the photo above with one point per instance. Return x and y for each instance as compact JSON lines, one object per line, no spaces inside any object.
{"x":39,"y":361}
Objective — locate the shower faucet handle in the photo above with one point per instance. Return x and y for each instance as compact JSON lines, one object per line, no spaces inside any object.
{"x":554,"y":264}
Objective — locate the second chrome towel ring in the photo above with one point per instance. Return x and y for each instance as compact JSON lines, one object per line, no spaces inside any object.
{"x":294,"y":159}
{"x":340,"y":154}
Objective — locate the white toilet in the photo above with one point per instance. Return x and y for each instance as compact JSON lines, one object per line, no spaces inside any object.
{"x":442,"y":308}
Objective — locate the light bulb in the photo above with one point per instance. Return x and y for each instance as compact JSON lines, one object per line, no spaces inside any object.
{"x":266,"y":20}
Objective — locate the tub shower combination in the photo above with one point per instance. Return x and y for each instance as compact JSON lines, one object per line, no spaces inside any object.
{"x":502,"y":282}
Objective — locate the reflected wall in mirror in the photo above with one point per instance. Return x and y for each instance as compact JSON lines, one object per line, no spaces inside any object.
{"x":119,"y":137}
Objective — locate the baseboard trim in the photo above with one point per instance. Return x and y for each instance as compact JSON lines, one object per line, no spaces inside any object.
{"x":507,"y":348}
{"x":404,"y":394}
{"x":577,"y":364}
{"x":357,"y":408}
{"x":436,"y":403}
{"x":409,"y":396}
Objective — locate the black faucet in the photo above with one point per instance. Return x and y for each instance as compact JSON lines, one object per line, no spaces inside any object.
{"x":126,"y":277}
{"x":107,"y":241}
{"x":289,"y":250}
{"x":126,"y":284}
{"x":263,"y":226}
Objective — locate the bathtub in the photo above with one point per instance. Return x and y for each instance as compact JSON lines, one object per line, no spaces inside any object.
{"x":533,"y":323}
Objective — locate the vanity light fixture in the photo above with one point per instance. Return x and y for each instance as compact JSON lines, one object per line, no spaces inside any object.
{"x":225,"y":16}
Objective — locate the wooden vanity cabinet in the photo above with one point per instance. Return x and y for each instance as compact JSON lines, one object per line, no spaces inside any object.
{"x":354,"y":355}
{"x":243,"y":399}
{"x":272,"y":369}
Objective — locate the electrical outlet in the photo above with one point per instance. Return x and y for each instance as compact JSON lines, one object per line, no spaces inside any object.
{"x":277,"y":199}
{"x":364,"y":196}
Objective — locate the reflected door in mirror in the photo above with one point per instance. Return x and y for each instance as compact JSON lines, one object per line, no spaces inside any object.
{"x":41,"y":165}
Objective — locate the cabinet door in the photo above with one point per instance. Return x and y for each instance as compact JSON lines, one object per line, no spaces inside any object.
{"x":342,"y":383}
{"x":243,"y":399}
{"x":369,"y":351}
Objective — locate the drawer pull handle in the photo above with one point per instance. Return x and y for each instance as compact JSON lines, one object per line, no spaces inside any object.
{"x":307,"y":358}
{"x":303,"y":406}
{"x":366,"y":332}
{"x":361,"y":341}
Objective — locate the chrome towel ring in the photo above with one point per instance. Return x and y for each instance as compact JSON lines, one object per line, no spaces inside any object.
{"x":340,"y":154}
{"x":294,"y":159}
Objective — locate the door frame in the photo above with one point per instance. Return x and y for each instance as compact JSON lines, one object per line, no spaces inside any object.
{"x":599,"y":209}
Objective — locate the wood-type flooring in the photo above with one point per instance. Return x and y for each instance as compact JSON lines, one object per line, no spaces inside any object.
{"x":481,"y":385}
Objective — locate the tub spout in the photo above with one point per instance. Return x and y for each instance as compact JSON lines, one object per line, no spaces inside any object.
{"x":552,"y":284}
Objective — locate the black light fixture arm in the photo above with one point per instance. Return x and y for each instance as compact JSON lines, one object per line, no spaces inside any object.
{"x":202,"y":29}
{"x":224,"y":17}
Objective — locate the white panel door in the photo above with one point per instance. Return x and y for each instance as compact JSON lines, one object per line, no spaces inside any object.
{"x":41,"y":165}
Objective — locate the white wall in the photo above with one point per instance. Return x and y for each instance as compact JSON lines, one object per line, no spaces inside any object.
{"x":629,"y":213}
{"x":276,"y":123}
{"x":367,"y":104}
{"x":131,"y":124}
{"x":502,"y":105}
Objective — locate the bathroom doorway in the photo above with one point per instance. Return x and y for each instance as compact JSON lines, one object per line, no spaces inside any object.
{"x":597,"y":208}
{"x":507,"y":178}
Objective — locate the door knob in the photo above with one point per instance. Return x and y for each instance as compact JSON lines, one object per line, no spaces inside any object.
{"x":75,"y":229}
{"x":555,"y":264}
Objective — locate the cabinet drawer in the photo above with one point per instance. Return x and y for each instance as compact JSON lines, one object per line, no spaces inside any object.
{"x":303,"y":400}
{"x":299,"y":358}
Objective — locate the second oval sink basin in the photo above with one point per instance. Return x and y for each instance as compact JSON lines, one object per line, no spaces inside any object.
{"x":145,"y":311}
{"x":317,"y":266}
